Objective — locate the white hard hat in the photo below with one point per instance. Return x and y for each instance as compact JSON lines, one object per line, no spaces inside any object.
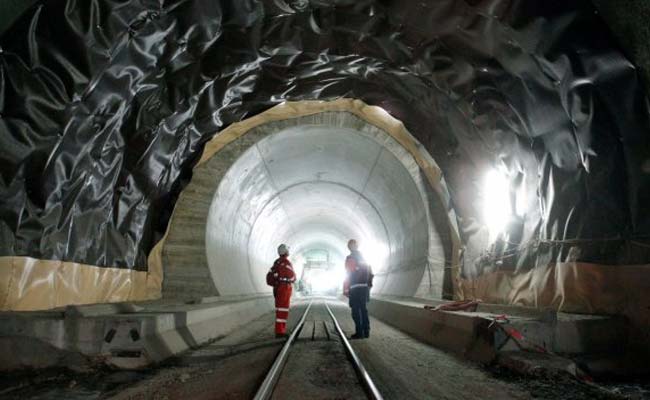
{"x":283,"y":249}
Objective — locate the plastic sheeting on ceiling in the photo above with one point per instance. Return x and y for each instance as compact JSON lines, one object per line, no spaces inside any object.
{"x":105,"y":106}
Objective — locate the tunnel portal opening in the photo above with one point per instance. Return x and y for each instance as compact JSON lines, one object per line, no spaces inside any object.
{"x":313,"y":182}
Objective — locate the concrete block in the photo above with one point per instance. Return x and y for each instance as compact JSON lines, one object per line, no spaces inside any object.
{"x":579,"y":334}
{"x":95,"y":310}
{"x":476,"y":336}
{"x":456,"y":332}
{"x":122,"y":335}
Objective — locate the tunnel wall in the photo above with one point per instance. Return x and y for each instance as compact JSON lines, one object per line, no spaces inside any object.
{"x":105,"y":107}
{"x":231,"y":188}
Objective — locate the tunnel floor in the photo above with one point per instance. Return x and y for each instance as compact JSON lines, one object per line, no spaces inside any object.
{"x":234,"y":366}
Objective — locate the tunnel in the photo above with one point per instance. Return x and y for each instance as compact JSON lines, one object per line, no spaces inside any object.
{"x":491,"y":159}
{"x":314,"y":182}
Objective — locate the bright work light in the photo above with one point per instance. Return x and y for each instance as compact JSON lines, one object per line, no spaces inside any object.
{"x":496,"y":203}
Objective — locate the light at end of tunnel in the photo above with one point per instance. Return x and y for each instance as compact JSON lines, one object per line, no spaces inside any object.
{"x":324,"y":281}
{"x":496,"y":203}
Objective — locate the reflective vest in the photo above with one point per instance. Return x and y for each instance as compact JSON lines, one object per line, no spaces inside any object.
{"x":359,"y":273}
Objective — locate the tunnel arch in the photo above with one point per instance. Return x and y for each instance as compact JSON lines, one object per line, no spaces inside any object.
{"x":216,"y":245}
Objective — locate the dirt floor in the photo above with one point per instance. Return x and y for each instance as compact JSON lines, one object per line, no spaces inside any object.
{"x":406,"y":368}
{"x":233,"y":368}
{"x":318,"y":367}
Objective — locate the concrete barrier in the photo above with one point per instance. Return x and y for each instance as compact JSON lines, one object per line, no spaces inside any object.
{"x":122,"y":335}
{"x":460,"y":333}
{"x":476,"y":336}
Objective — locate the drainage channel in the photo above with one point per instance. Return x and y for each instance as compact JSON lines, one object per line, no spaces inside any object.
{"x":332,"y":363}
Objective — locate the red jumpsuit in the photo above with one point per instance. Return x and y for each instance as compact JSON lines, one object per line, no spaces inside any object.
{"x":282,"y":292}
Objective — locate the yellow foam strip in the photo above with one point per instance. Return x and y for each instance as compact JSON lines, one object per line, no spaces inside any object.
{"x":31,"y":284}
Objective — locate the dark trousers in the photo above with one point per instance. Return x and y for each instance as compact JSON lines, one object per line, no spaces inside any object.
{"x":358,"y":300}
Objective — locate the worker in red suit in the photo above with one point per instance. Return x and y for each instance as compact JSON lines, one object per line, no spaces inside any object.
{"x":281,"y":276}
{"x":356,"y":287}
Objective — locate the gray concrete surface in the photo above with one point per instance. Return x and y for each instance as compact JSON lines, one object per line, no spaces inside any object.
{"x":405,"y":368}
{"x":124,"y":336}
{"x":230,"y":367}
{"x":476,"y":336}
{"x":138,"y":335}
{"x":312,"y":182}
{"x":233,"y":366}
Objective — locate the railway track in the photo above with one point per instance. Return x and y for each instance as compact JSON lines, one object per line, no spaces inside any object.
{"x":267,"y":387}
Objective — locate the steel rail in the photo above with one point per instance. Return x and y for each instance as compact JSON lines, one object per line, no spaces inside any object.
{"x":266,"y":388}
{"x":366,"y":381}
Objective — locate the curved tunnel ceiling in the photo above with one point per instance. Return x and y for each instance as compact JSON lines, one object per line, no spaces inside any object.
{"x":316,"y":186}
{"x":105,"y":107}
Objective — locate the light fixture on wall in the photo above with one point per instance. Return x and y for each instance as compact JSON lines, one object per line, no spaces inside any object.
{"x":497,"y":208}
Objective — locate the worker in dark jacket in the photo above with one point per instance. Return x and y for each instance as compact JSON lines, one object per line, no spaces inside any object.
{"x":357,"y":287}
{"x":281,"y":277}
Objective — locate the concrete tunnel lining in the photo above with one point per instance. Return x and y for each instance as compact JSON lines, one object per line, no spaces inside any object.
{"x":315,"y":225}
{"x":312,"y":181}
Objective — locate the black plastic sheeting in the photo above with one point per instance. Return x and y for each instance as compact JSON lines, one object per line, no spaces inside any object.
{"x":105,"y":106}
